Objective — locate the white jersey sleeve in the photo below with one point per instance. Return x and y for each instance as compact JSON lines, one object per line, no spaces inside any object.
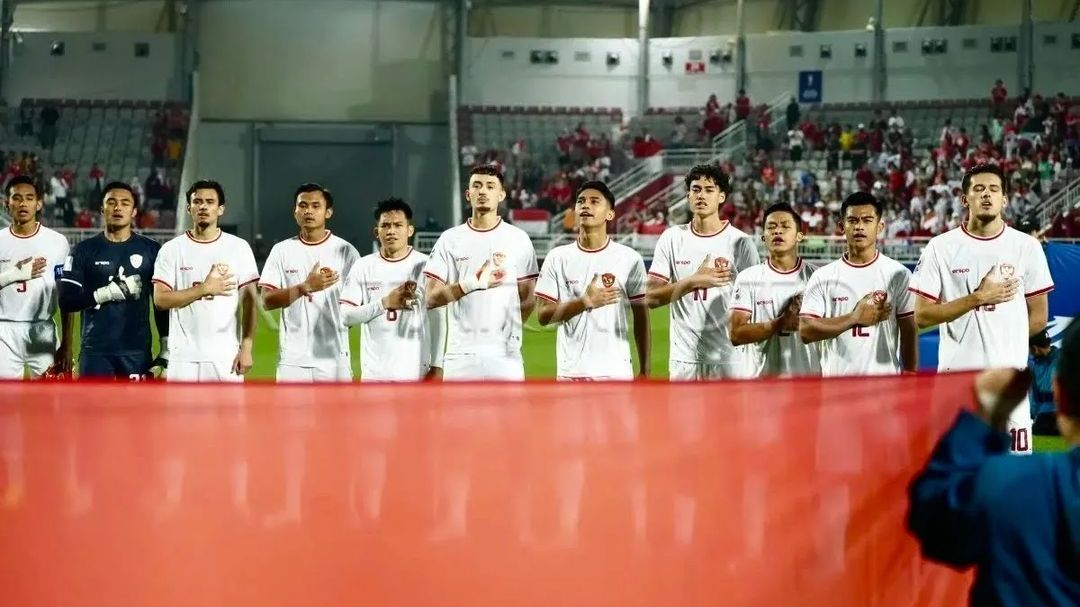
{"x":1037,"y":279}
{"x":440,"y":265}
{"x":661,"y":261}
{"x":273,"y":275}
{"x":527,"y":266}
{"x":745,"y":254}
{"x":35,"y":299}
{"x":165,"y":265}
{"x":815,"y":300}
{"x":636,"y":280}
{"x":547,"y":286}
{"x":247,"y":269}
{"x":742,"y":300}
{"x":926,"y":280}
{"x":900,"y":294}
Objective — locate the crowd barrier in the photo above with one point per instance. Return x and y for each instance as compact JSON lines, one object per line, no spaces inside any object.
{"x":754,"y":493}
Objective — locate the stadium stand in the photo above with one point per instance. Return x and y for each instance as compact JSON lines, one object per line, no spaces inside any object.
{"x":85,"y":144}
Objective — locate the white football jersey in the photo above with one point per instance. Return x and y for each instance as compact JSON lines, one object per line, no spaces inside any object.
{"x":952,"y":266}
{"x":395,"y":345}
{"x":35,"y":299}
{"x":488,"y":321}
{"x":762,"y":291}
{"x":835,"y":289}
{"x":311,"y":333}
{"x":699,"y":320}
{"x":207,"y":329}
{"x":593,"y":344}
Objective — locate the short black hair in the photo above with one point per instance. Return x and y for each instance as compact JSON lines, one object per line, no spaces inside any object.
{"x":117,"y":185}
{"x":304,"y":188}
{"x":392,"y":204}
{"x":21,"y":180}
{"x":981,"y":169}
{"x":488,"y":169}
{"x":1067,"y":377}
{"x":709,"y":171}
{"x":207,"y":184}
{"x":782,"y":207}
{"x":858,"y":199}
{"x":599,"y":186}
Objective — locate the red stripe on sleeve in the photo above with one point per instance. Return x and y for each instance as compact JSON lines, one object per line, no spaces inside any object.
{"x":162,"y":282}
{"x":438,"y":278}
{"x":661,"y":277}
{"x":1040,"y":291}
{"x":546,"y":297}
{"x":529,"y":277}
{"x":351,"y":303}
{"x":924,"y":295}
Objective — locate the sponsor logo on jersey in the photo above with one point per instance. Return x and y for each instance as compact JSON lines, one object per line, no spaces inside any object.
{"x":764,"y":302}
{"x":682,"y":262}
{"x":570,"y":283}
{"x":961,"y":270}
{"x":136,"y":260}
{"x":608,"y":279}
{"x":101,"y":263}
{"x":1007,"y":270}
{"x":290,"y":271}
{"x":186,"y":268}
{"x":461,"y":259}
{"x":838,"y":299}
{"x":880,"y":297}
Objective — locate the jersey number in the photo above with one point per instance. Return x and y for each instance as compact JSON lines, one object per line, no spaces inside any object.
{"x":391,"y":315}
{"x":860,"y":331}
{"x":20,"y":287}
{"x":986,"y":308}
{"x":1019,"y":438}
{"x":701,"y":294}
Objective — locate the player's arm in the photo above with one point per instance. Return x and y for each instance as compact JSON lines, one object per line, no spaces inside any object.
{"x":642,"y":335}
{"x":909,"y":344}
{"x":526,"y":287}
{"x":662,"y":292}
{"x":248,"y":319}
{"x":318,"y":279}
{"x":744,"y":332}
{"x":437,"y":347}
{"x":596,"y":295}
{"x":1038,"y":313}
{"x":438,"y":294}
{"x":930,"y":311}
{"x":866,"y":313}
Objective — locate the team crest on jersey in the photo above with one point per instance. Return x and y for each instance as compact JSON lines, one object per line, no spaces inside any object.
{"x":498,"y":258}
{"x":721,"y":263}
{"x":880,"y":297}
{"x":608,"y":279}
{"x":1007,"y":270}
{"x":136,"y":260}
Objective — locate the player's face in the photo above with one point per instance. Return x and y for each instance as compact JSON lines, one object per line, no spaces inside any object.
{"x":311,"y":211}
{"x":118,"y":208}
{"x":705,"y":197}
{"x":861,"y":226}
{"x":592,"y":209}
{"x":23,"y":203}
{"x":205,"y":208}
{"x":985,"y":197}
{"x":782,"y":233}
{"x":485,"y":193}
{"x":393,"y":231}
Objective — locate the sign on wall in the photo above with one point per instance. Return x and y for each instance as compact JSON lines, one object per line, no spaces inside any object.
{"x":810,"y":87}
{"x":695,"y":67}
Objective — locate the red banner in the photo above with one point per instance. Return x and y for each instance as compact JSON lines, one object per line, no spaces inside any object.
{"x":748,"y":493}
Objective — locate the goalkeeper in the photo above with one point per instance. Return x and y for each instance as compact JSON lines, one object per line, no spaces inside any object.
{"x":107,"y":278}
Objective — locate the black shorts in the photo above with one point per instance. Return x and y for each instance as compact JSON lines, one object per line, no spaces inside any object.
{"x":125,"y":366}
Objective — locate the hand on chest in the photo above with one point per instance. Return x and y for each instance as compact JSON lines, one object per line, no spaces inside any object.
{"x":967,"y":276}
{"x":106,"y":269}
{"x":497,"y":257}
{"x":690,"y":260}
{"x":606,"y":275}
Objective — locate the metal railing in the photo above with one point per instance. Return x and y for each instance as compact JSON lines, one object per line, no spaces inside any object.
{"x":1065,"y":199}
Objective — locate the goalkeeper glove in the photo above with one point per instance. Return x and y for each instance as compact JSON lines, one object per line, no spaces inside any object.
{"x":161,"y":363}
{"x":119,"y":289}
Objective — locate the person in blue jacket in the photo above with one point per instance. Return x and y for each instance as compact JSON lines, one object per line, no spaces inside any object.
{"x":1043,"y":362}
{"x":1015,"y":519}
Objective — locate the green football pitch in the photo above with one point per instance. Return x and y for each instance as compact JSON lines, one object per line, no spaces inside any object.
{"x":538,"y":351}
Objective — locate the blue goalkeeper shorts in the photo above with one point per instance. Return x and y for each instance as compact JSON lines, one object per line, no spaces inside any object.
{"x":126,"y":366}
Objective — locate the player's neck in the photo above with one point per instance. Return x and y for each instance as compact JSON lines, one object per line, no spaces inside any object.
{"x":394,"y":255}
{"x":118,"y":234}
{"x":208,"y":233}
{"x":314,"y":235}
{"x":784,"y":261}
{"x":985,"y":228}
{"x":707,"y":224}
{"x":24,"y":229}
{"x":484,"y":221}
{"x":592,"y":239}
{"x":863,"y":256}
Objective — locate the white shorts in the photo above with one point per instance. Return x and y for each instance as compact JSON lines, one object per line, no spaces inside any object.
{"x":327,"y":371}
{"x":474,"y":367}
{"x":201,"y":371}
{"x":26,"y":344}
{"x":1019,"y":429}
{"x":684,"y":371}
